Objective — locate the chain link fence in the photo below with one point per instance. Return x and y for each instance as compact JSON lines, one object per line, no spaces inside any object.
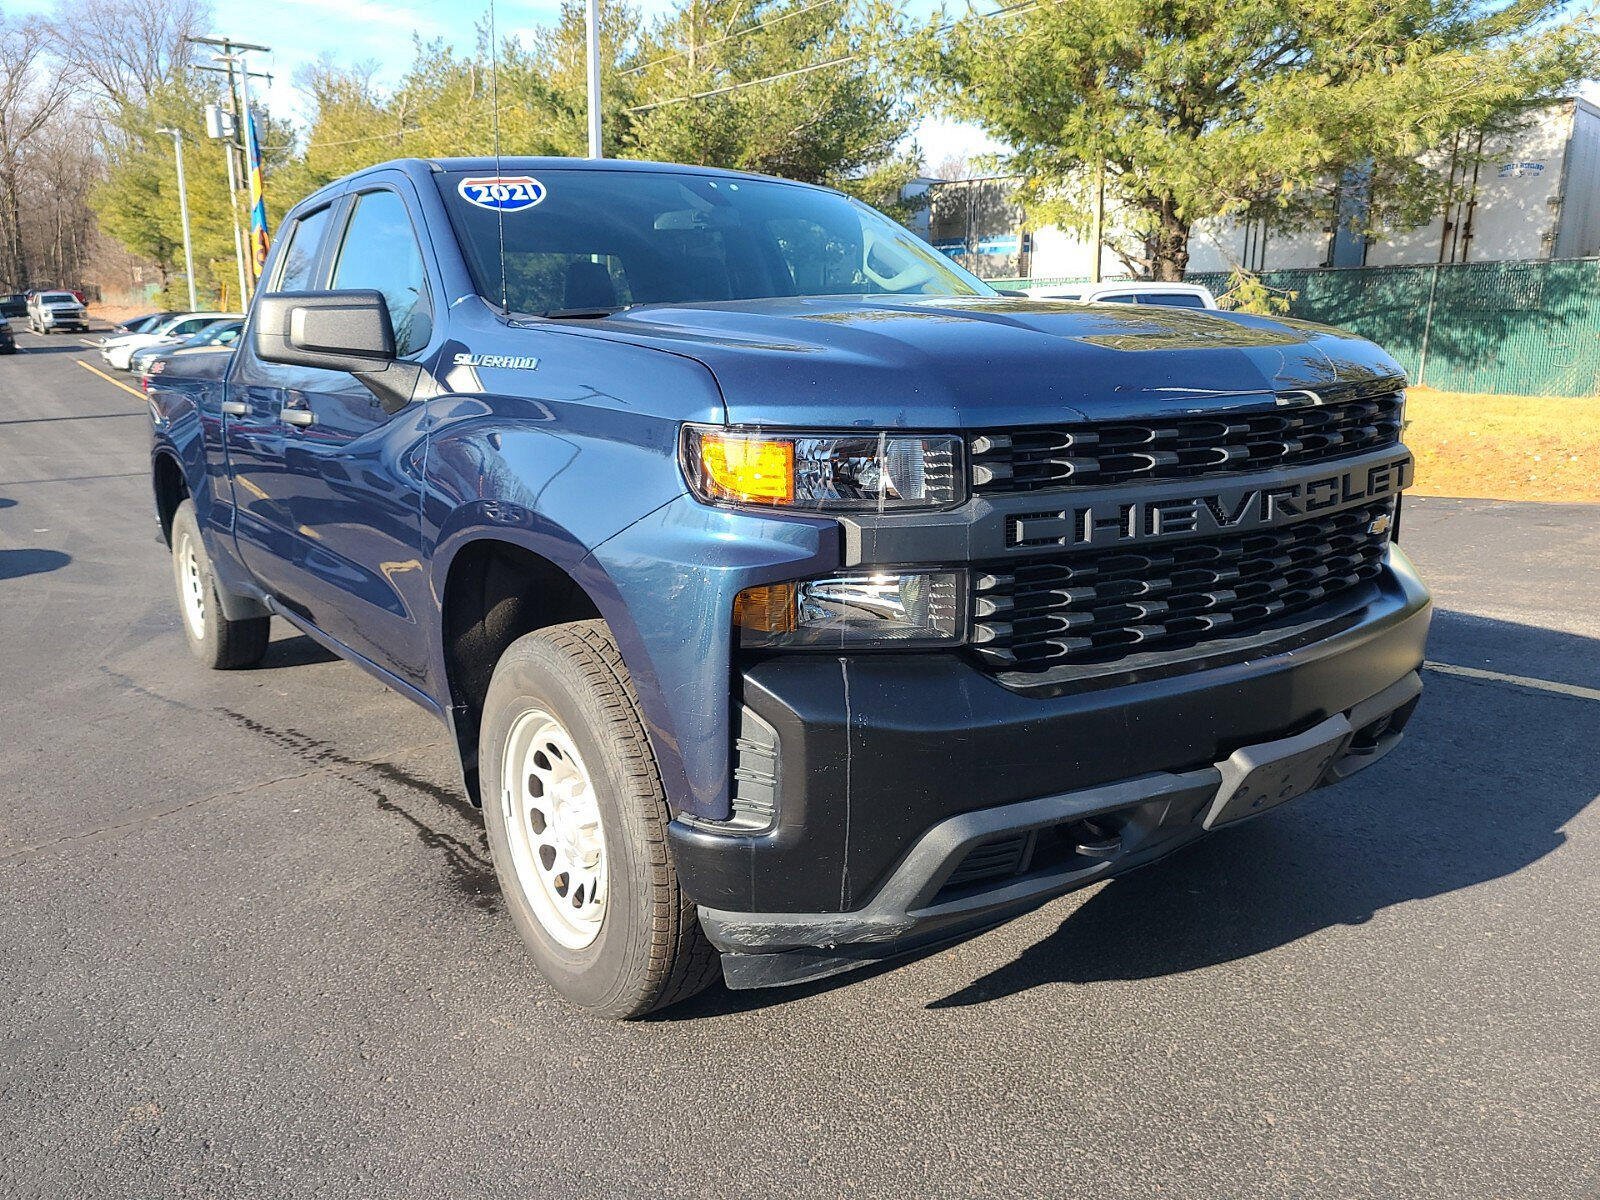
{"x":1515,"y":328}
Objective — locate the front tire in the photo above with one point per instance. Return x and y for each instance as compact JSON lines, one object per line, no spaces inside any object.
{"x":577,"y":823}
{"x":219,"y":643}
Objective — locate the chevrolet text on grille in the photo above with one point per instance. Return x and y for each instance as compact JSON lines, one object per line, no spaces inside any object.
{"x":1137,"y":520}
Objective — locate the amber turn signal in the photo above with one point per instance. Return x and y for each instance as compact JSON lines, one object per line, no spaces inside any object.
{"x":748,"y":469}
{"x":768,"y":608}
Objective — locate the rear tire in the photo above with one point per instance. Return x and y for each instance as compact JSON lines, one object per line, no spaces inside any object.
{"x":219,"y":643}
{"x":577,"y":823}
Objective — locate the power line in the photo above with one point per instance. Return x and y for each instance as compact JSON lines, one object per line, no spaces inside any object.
{"x":370,"y":137}
{"x":1008,"y":10}
{"x":732,"y":37}
{"x":734,"y":87}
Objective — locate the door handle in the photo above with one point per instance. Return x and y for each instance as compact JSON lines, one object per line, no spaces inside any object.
{"x":298,"y":416}
{"x":235,"y":408}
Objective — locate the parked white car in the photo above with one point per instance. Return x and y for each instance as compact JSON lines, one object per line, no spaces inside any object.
{"x":118,"y":351}
{"x":50,"y":311}
{"x":1125,"y":291}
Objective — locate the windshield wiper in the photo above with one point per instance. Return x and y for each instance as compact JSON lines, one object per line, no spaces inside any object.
{"x":582,"y":314}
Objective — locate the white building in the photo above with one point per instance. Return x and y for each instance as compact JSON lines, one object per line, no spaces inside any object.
{"x":1532,"y":194}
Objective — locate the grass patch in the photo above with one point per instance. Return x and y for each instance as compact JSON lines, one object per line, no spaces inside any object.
{"x":1504,"y":447}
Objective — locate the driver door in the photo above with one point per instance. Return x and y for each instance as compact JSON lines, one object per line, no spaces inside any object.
{"x":335,"y":489}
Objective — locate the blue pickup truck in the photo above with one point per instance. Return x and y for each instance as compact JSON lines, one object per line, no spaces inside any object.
{"x":794,"y":599}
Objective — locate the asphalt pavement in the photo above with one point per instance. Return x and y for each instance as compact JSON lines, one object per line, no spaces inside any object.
{"x":250,"y":942}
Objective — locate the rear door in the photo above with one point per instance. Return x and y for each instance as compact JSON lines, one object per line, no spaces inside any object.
{"x":343,"y":487}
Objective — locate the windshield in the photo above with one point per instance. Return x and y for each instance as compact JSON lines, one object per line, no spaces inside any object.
{"x":220,"y":331}
{"x":578,"y":240}
{"x":58,"y":298}
{"x":1172,"y":299}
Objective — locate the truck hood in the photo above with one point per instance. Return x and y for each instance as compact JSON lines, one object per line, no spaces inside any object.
{"x":941,"y":363}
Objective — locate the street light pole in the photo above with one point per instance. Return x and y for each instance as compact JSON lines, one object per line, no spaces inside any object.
{"x":183,"y":208}
{"x":591,"y":25}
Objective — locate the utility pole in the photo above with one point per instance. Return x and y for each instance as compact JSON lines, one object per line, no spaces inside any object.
{"x":591,"y":24}
{"x":221,"y":126}
{"x":249,"y":133}
{"x":1099,"y":224}
{"x":233,"y":53}
{"x":183,"y":209}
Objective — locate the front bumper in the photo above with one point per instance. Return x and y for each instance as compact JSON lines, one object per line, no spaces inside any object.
{"x":917,"y":800}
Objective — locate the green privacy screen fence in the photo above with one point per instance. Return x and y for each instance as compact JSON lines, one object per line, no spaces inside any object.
{"x":1518,"y":328}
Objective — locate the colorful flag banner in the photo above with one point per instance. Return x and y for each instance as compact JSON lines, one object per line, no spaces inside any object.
{"x":259,"y":238}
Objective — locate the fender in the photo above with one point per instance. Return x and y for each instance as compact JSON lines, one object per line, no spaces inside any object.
{"x":557,"y":441}
{"x":506,"y":469}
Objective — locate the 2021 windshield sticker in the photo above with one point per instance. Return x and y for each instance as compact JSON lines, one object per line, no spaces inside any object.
{"x":502,"y":193}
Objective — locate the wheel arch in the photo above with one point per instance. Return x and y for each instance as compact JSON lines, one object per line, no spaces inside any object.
{"x":170,"y":485}
{"x":494,"y":590}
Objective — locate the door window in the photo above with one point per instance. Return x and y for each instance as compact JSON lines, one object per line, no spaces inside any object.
{"x":380,"y":252}
{"x":300,"y":257}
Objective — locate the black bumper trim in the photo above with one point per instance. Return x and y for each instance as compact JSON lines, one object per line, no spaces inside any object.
{"x":1162,"y":811}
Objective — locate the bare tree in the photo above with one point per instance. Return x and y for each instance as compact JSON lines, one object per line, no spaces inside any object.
{"x":127,"y":48}
{"x":61,"y":166}
{"x":32,"y":91}
{"x":953,"y":166}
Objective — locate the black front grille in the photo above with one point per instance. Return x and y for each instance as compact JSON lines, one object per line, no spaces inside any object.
{"x":1101,"y":605}
{"x":1183,"y":447}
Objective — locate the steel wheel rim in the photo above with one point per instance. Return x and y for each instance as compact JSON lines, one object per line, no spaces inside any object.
{"x":191,"y":587}
{"x":553,"y":826}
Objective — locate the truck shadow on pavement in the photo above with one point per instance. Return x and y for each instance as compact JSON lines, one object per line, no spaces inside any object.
{"x":67,"y":345}
{"x":1486,"y":778}
{"x":295,"y":651}
{"x":14,"y":564}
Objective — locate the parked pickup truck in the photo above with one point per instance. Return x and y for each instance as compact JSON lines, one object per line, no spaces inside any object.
{"x":793,"y":599}
{"x":50,"y":311}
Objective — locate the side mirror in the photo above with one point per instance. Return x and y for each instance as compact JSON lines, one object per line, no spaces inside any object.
{"x":337,"y":331}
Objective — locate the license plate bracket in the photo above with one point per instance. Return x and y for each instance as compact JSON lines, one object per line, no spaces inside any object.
{"x":1261,"y":777}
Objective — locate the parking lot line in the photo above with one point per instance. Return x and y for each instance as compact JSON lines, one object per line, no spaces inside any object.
{"x":132,"y":391}
{"x":1543,"y":685}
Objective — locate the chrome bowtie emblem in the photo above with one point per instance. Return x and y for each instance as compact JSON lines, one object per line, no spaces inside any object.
{"x":1380,"y":525}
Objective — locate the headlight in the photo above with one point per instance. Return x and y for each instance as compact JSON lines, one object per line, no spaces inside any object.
{"x":847,"y":472}
{"x":886,"y":609}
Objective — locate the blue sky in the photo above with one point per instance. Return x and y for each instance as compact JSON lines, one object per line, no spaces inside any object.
{"x":300,"y":31}
{"x":352,"y":31}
